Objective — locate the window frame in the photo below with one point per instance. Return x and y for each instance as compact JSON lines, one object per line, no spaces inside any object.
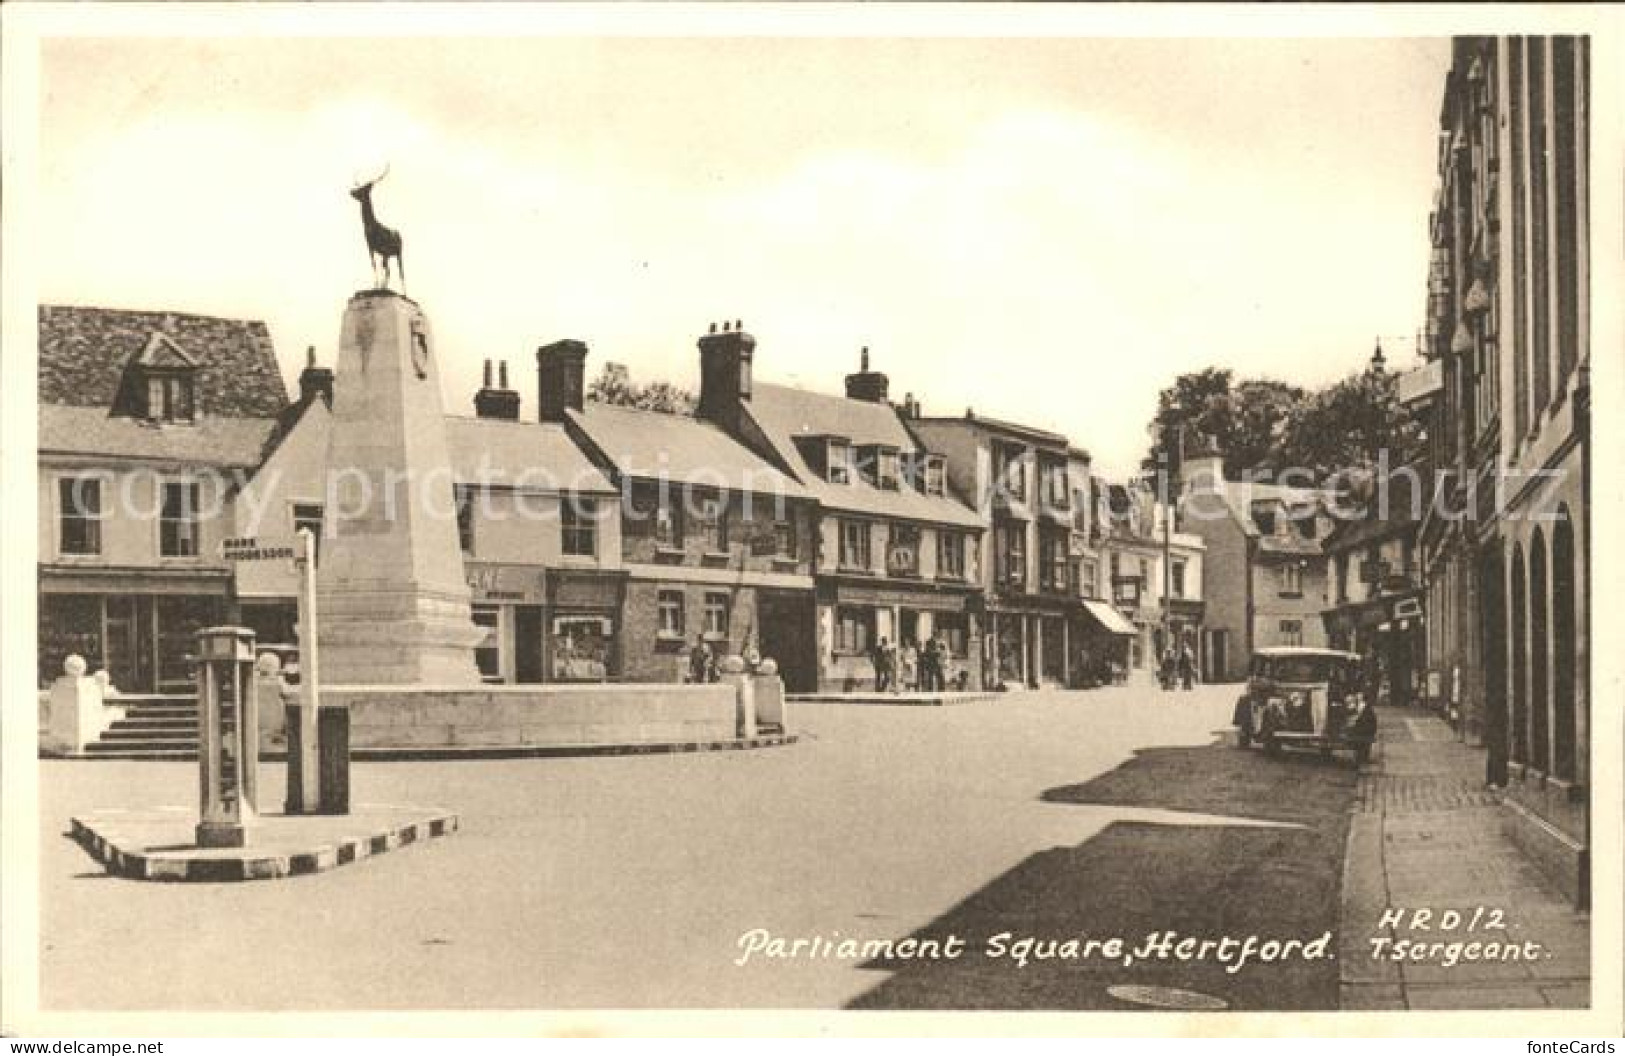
{"x":838,"y":461}
{"x":950,"y":554}
{"x":578,"y":519}
{"x":862,"y":540}
{"x":192,"y":520}
{"x":303,"y":521}
{"x":717,"y":603}
{"x":670,"y":600}
{"x":95,"y":522}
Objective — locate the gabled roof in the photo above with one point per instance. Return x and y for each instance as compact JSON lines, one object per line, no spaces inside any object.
{"x":210,"y":441}
{"x":85,"y":356}
{"x":1029,"y":433}
{"x":679,"y":448}
{"x":784,"y":413}
{"x":162,"y":351}
{"x":526,"y":456}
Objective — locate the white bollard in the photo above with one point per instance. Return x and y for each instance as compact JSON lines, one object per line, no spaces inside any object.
{"x":731,"y":671}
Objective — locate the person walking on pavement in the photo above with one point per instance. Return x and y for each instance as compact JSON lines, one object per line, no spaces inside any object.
{"x":699,"y":660}
{"x":1187,"y":668}
{"x":908,"y":667}
{"x":882,"y":659}
{"x":929,"y":665}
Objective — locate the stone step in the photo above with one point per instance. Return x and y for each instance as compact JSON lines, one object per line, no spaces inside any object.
{"x":125,"y":736}
{"x":158,"y":754}
{"x":147,"y":723}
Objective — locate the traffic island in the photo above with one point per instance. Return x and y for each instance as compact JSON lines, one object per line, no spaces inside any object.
{"x":157,"y":843}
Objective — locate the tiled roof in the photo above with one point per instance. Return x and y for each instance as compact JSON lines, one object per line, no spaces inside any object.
{"x":679,"y":448}
{"x":212,"y":441}
{"x":999,"y":425}
{"x":84,"y":353}
{"x":536,"y":456}
{"x":784,"y":413}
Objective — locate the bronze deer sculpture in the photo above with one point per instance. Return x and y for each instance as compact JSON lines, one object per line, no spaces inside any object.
{"x":382,"y":242}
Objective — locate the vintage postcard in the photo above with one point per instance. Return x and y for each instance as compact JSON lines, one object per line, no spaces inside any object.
{"x":657,"y":519}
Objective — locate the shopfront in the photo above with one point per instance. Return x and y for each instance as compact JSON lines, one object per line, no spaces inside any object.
{"x":854,"y":617}
{"x":543,"y":625}
{"x":583,"y":625}
{"x":140,"y":627}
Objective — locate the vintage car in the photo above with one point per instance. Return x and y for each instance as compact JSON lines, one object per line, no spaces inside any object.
{"x":1307,"y":698}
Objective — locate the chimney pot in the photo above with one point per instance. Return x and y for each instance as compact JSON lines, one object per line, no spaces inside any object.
{"x":487,"y":380}
{"x":502,"y":375}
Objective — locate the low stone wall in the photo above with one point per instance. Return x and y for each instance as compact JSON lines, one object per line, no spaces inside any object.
{"x":495,"y":716}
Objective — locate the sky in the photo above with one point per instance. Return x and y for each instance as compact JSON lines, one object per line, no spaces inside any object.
{"x":1045,"y":230}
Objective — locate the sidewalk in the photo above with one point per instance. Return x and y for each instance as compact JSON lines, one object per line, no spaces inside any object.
{"x":1427,"y":835}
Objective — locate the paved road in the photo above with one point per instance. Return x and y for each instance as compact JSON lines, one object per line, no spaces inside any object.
{"x":630,"y":881}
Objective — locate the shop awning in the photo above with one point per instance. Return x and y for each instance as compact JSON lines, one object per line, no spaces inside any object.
{"x":1109,"y":618}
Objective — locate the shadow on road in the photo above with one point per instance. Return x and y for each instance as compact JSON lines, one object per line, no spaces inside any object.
{"x":1133,"y":879}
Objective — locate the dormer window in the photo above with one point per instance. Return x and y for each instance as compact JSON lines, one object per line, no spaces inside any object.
{"x":168,"y":376}
{"x":839,"y":462}
{"x":936,"y":474}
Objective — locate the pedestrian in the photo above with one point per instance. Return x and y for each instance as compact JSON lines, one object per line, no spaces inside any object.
{"x":1165,"y":668}
{"x":881,"y":657}
{"x":699,"y":661}
{"x":1187,"y":668}
{"x":908,"y":666}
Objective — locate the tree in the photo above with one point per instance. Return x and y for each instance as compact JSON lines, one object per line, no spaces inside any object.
{"x":614,"y":386}
{"x":1353,"y":425}
{"x":1247,"y":420}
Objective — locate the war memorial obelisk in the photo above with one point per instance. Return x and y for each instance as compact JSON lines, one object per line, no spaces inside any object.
{"x":392,"y":599}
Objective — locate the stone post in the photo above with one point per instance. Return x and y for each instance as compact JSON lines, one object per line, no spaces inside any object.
{"x":75,"y":712}
{"x":731,"y":671}
{"x":768,"y":695}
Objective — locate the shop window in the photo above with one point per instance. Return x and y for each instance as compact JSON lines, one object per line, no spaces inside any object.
{"x":854,"y":630}
{"x":80,"y":510}
{"x":178,"y":519}
{"x":463,"y":496}
{"x":855,"y":552}
{"x":950,"y":555}
{"x":581,"y":648}
{"x":716,"y":615}
{"x":671,"y":614}
{"x":488,"y":650}
{"x":950,"y":628}
{"x":579,"y":520}
{"x":309,"y":515}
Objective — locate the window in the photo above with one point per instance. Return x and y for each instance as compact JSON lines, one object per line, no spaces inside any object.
{"x":170,"y":398}
{"x":935,"y":475}
{"x":839,"y":459}
{"x":903,"y":550}
{"x":1055,"y":561}
{"x":579,"y":519}
{"x":1089,"y":586}
{"x":950,"y":627}
{"x":1178,"y":573}
{"x":886,"y":469}
{"x":177,"y":524}
{"x":854,"y":630}
{"x":1012,"y":543}
{"x":1291,"y":632}
{"x":463,"y":496}
{"x":1012,"y":472}
{"x":719,"y":526}
{"x":1057,"y":490}
{"x":1291,"y":580}
{"x":488,"y":650}
{"x":668,"y":524}
{"x":716,"y":615}
{"x":671,"y":614}
{"x":784,"y":539}
{"x":855,"y":544}
{"x":1264,"y":517}
{"x":80,"y":510}
{"x":309,"y":515}
{"x":1306,"y":525}
{"x":950,"y":555}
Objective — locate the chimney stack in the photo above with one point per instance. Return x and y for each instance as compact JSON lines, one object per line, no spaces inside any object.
{"x":868,"y":385}
{"x":500,"y":402}
{"x":726,"y":355}
{"x":315,"y":381}
{"x":561,"y":374}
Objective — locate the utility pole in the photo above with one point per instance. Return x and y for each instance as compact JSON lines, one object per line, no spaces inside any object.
{"x":1172,"y":453}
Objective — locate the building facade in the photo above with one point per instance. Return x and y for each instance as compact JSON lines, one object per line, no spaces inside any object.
{"x":148,"y":422}
{"x":1264,"y":566}
{"x":1020,"y":481}
{"x":897,"y":556}
{"x":1508,"y":325}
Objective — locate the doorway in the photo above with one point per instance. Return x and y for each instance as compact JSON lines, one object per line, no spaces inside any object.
{"x":789,"y":635}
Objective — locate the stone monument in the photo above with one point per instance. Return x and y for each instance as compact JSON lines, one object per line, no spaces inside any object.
{"x":391,"y":591}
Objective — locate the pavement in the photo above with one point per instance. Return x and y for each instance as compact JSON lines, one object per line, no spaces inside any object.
{"x":1428,"y":865}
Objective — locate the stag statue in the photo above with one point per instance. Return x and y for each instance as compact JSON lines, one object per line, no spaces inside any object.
{"x":382,"y":242}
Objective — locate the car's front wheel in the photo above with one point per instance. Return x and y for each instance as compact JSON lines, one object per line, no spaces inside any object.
{"x":1266,"y":737}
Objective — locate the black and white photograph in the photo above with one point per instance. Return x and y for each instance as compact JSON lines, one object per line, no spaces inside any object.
{"x":795,"y":513}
